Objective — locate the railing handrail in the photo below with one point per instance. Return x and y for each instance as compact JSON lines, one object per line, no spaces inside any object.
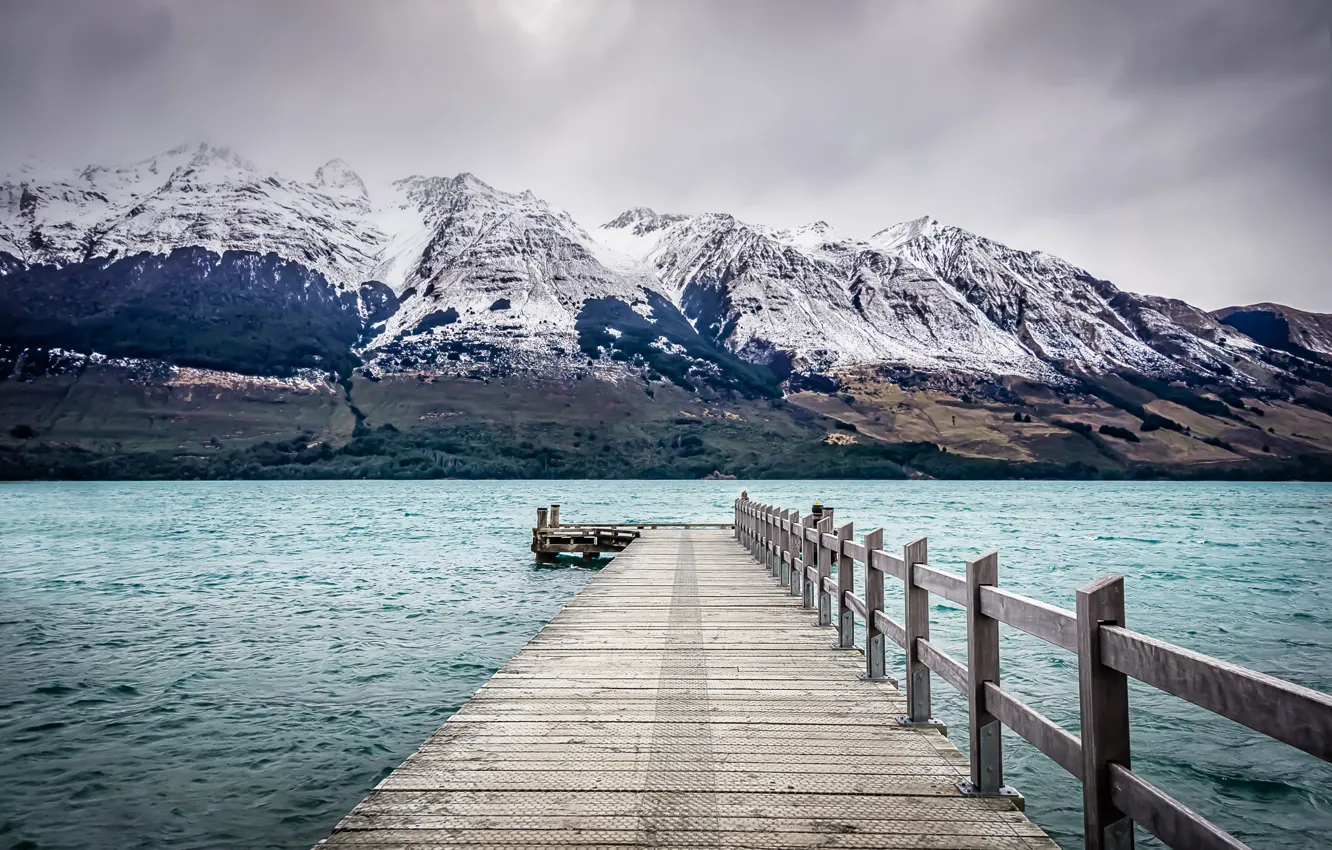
{"x":797,"y":551}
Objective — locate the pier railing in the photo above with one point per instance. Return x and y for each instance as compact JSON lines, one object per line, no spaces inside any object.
{"x":817,"y":561}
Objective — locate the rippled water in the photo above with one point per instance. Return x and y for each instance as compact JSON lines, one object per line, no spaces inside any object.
{"x":235,"y":664}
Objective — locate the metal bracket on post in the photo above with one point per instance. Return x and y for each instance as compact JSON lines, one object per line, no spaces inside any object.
{"x":846,"y":618}
{"x":774,"y":535}
{"x":822,"y":600}
{"x":984,"y":730}
{"x":808,"y":555}
{"x":917,"y":627}
{"x":1104,"y":714}
{"x":875,"y":646}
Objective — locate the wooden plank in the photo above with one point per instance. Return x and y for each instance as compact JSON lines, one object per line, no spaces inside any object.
{"x":1165,"y":817}
{"x":949,"y":668}
{"x":1050,"y":624}
{"x":1037,"y":729}
{"x":856,"y":604}
{"x":885,"y":563}
{"x":654,"y":712}
{"x":891,"y":628}
{"x":947,"y":585}
{"x":853,"y":550}
{"x":1287,"y":712}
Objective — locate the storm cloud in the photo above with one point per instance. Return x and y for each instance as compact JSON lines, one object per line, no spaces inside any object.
{"x":1180,"y":148}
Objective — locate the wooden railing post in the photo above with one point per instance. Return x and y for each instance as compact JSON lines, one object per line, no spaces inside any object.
{"x":555,"y":516}
{"x":749,"y":528}
{"x":769,"y":536}
{"x":809,"y":554}
{"x":760,"y":529}
{"x":1103,"y":700}
{"x":917,"y":627}
{"x":987,"y":756}
{"x":735,"y":524}
{"x":846,"y":583}
{"x":874,"y":639}
{"x":758,"y":532}
{"x":783,"y":570}
{"x":820,"y":599}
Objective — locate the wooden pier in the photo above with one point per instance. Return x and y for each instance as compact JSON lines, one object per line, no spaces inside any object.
{"x":588,"y":540}
{"x":682,"y":700}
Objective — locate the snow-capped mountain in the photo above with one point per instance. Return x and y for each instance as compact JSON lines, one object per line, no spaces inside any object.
{"x":450,"y":273}
{"x":190,"y":197}
{"x":918,"y":293}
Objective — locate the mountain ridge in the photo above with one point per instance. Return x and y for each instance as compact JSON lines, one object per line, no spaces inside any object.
{"x":199,"y":258}
{"x":918,"y":293}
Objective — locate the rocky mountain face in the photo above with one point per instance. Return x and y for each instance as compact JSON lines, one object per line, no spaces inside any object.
{"x":197,"y":256}
{"x":1276,"y":326}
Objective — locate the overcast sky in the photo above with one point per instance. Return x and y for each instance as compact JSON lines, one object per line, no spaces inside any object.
{"x":1178,"y":148}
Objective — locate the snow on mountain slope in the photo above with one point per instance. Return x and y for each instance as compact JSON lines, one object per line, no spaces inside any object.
{"x":202,"y":196}
{"x":475,"y":264}
{"x":478,"y":272}
{"x":809,"y":296}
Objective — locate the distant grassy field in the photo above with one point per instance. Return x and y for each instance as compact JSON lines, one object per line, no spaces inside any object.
{"x":106,"y":423}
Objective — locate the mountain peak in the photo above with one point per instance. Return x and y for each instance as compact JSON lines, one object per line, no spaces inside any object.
{"x":899,"y":234}
{"x":468,"y":180}
{"x":336,"y":175}
{"x":642,"y":220}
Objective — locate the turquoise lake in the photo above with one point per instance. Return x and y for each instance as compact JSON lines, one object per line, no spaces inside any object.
{"x":236,"y":664}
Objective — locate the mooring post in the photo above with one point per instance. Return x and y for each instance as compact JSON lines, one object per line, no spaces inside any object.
{"x":541,"y":517}
{"x":1103,"y":700}
{"x":874,"y":638}
{"x":809,"y":554}
{"x":987,"y":758}
{"x":555,"y":516}
{"x":846,"y":583}
{"x":917,"y":627}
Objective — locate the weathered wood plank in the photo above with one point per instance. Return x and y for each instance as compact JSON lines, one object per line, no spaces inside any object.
{"x":682,"y":699}
{"x":947,"y":585}
{"x":1038,"y":730}
{"x":1290,"y":713}
{"x":1164,"y":816}
{"x":949,"y":669}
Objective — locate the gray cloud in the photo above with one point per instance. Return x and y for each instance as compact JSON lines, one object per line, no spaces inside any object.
{"x":1177,"y":148}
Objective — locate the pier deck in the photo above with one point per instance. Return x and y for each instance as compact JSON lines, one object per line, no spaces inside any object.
{"x":684,"y":699}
